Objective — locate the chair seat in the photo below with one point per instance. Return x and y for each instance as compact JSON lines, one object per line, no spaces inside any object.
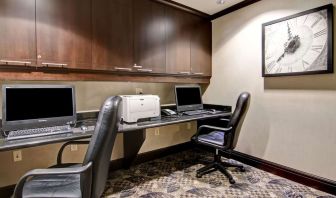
{"x":53,"y":186}
{"x":215,"y":137}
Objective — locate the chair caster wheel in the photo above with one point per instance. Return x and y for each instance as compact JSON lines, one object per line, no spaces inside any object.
{"x":198,"y":175}
{"x":242,"y":169}
{"x":232,"y":181}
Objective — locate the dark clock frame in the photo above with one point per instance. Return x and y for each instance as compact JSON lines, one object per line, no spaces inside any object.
{"x":330,"y":42}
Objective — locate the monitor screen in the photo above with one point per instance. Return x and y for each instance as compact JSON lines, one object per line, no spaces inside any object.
{"x":188,"y":98}
{"x":42,"y":104}
{"x":37,"y":103}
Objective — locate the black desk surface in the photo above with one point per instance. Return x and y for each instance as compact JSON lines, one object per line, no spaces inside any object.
{"x":31,"y":142}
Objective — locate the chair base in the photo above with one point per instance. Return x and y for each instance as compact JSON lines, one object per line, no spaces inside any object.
{"x":218,"y":164}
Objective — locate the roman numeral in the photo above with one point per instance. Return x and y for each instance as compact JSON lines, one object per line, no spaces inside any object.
{"x":305,"y":19}
{"x":279,"y":70}
{"x":290,"y":69}
{"x":316,"y":22}
{"x":317,"y":48}
{"x":293,"y":22}
{"x":320,"y":33}
{"x":305,"y":63}
{"x":270,"y":66}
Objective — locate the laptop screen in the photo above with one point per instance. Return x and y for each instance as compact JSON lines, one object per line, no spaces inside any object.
{"x":188,"y":98}
{"x":27,"y":106}
{"x":38,"y":103}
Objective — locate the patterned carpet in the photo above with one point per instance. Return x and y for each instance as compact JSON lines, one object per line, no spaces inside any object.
{"x":174,"y":176}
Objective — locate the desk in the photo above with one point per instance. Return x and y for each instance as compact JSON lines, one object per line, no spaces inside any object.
{"x":134,"y":135}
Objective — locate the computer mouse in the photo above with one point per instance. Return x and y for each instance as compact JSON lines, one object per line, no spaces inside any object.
{"x":84,"y":128}
{"x":212,"y":110}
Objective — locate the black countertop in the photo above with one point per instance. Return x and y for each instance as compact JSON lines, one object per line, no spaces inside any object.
{"x":79,"y":134}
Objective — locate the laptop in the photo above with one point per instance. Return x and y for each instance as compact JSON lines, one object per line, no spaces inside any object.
{"x":37,"y":110}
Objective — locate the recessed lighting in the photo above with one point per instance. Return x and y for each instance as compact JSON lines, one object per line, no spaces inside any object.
{"x":220,"y":1}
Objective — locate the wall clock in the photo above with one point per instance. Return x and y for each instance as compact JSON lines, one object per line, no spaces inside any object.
{"x":299,"y":44}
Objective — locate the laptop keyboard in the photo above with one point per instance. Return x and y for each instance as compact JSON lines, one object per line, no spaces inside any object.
{"x":195,"y":112}
{"x":37,"y":132}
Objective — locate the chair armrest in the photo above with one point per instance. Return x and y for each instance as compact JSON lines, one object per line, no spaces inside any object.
{"x":60,"y":152}
{"x":52,"y":171}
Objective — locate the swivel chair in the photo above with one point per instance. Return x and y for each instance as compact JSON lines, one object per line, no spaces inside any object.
{"x":82,"y":180}
{"x":223,"y":139}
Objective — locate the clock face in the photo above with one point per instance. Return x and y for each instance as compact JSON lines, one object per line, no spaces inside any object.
{"x":297,"y":45}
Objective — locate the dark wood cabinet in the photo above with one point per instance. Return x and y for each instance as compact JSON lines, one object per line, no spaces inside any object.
{"x":17,"y":32}
{"x":143,"y":39}
{"x":149,"y":36}
{"x":63,"y":32}
{"x":200,"y":47}
{"x":178,"y":32}
{"x":113,"y":35}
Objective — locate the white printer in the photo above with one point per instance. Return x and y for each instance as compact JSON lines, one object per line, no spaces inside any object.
{"x":136,"y":107}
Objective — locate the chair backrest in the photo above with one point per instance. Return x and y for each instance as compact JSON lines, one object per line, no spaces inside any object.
{"x":237,"y":118}
{"x":100,"y":148}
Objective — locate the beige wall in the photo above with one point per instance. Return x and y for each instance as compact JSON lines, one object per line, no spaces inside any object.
{"x":89,"y":96}
{"x":292,"y":120}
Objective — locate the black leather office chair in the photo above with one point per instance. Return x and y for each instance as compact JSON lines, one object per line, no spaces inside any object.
{"x":84,"y":180}
{"x":223,"y":139}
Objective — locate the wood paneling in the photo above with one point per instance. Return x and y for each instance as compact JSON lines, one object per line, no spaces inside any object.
{"x":178,"y":32}
{"x":17,"y":31}
{"x":149,"y":36}
{"x":113,"y":34}
{"x":200,"y":50}
{"x":63,"y":30}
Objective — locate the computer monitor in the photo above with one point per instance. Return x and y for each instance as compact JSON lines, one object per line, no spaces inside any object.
{"x":188,"y":97}
{"x":34,"y":106}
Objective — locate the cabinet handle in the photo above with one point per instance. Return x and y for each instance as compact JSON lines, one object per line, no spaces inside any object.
{"x":145,"y":70}
{"x":55,"y":64}
{"x":123,"y":68}
{"x":15,"y":62}
{"x":137,"y":66}
{"x":184,"y":72}
{"x":199,"y":73}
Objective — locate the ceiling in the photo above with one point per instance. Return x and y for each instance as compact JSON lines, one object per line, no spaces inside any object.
{"x":208,"y":6}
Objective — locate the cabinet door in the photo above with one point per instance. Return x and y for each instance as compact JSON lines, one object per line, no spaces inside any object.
{"x":149,"y":36}
{"x":178,"y":31}
{"x":200,"y":51}
{"x":17,"y":32}
{"x":63,"y":30}
{"x":113,"y":35}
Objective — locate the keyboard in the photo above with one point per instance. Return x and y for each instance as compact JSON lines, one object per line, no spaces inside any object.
{"x":196,"y":112}
{"x":37,"y":132}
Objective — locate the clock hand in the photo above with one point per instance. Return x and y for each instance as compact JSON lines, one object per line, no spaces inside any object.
{"x":290,"y":36}
{"x":293,"y":45}
{"x":282,"y":55}
{"x":290,"y":46}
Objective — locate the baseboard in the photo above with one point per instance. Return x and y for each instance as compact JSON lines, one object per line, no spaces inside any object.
{"x":7,"y":191}
{"x":307,"y":179}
